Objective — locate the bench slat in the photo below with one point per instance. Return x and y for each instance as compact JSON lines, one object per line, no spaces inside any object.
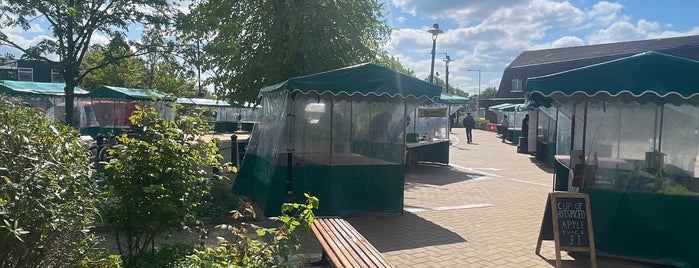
{"x":345,"y":246}
{"x":348,"y":242}
{"x":362,"y":245}
{"x":337,"y":246}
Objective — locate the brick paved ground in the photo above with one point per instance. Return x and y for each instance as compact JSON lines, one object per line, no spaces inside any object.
{"x":483,"y":210}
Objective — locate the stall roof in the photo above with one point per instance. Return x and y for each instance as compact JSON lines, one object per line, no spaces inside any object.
{"x":363,"y":79}
{"x":110,"y":92}
{"x":36,"y":88}
{"x":205,"y":102}
{"x":506,"y":107}
{"x":649,"y":73}
{"x":452,"y":99}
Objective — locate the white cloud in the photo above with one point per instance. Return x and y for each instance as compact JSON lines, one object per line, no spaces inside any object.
{"x":605,"y":13}
{"x":623,"y":31}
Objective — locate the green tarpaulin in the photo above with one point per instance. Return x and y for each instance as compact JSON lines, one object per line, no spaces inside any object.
{"x":363,"y":79}
{"x":110,"y":92}
{"x":451,"y":99}
{"x":648,"y":76}
{"x":36,"y":88}
{"x":205,"y":102}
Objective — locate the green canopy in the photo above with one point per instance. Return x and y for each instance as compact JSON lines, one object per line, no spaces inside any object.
{"x":651,"y":75}
{"x":205,"y":102}
{"x":109,"y":92}
{"x":35,"y":88}
{"x":452,"y":99}
{"x":506,"y":107}
{"x":363,"y":79}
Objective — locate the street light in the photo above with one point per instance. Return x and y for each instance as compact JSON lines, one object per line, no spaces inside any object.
{"x":446,"y":61}
{"x":434,"y":31}
{"x":478,"y":100}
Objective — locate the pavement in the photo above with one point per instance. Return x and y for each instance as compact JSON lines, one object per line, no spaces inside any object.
{"x":482,"y":210}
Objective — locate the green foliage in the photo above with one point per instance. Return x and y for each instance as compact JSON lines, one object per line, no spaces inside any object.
{"x":489,"y":92}
{"x":47,"y":196}
{"x":156,"y":179}
{"x":254,"y":43}
{"x":272,"y":248}
{"x":677,"y":189}
{"x":73,"y":24}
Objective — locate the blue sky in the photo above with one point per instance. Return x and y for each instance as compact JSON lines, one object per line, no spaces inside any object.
{"x":487,"y":35}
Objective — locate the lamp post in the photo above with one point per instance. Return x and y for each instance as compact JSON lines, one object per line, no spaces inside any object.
{"x":478,"y":100}
{"x":446,"y":61}
{"x":434,"y":31}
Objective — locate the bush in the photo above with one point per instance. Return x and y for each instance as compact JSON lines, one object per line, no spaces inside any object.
{"x":272,"y":248}
{"x":156,"y":180}
{"x":47,"y":197}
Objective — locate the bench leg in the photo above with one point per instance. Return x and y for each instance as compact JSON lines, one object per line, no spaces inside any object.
{"x":323,"y":260}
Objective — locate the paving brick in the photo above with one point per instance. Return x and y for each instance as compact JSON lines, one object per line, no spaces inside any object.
{"x":483,"y":210}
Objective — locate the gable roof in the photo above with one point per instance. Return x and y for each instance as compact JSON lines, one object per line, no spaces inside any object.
{"x":109,"y":92}
{"x":204,"y":102}
{"x":36,"y":88}
{"x":617,"y":50}
{"x":363,"y":79}
{"x":651,"y":76}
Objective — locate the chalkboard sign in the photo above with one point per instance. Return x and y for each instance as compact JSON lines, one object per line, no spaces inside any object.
{"x":572,"y":222}
{"x":567,"y":221}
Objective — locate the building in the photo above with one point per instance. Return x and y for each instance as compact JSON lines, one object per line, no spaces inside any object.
{"x":535,"y":63}
{"x":30,"y":71}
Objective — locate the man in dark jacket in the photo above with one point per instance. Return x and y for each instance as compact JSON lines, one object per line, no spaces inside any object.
{"x":469,"y":124}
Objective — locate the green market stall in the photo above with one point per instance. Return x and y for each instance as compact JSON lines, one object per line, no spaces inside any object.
{"x":224,"y":116}
{"x":633,"y":147}
{"x":113,"y":106}
{"x":50,"y":98}
{"x":338,"y":135}
{"x":428,"y":133}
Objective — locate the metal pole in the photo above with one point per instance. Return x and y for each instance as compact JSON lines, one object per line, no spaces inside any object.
{"x":478,"y":100}
{"x":434,"y":46}
{"x":447,"y":60}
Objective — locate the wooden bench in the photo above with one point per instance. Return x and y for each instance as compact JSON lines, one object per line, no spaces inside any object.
{"x":344,"y":246}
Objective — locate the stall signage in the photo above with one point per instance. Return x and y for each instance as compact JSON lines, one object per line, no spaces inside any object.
{"x":437,"y":112}
{"x":567,"y":221}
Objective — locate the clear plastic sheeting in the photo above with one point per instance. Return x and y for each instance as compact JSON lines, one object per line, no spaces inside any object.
{"x":430,"y":122}
{"x":639,"y":147}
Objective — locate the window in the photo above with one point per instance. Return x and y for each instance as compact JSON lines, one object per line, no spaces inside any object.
{"x":25,"y":74}
{"x":56,"y":76}
{"x":516,"y":85}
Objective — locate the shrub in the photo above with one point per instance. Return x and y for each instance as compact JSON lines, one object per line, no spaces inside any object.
{"x":272,"y":247}
{"x":156,"y":179}
{"x":47,"y":197}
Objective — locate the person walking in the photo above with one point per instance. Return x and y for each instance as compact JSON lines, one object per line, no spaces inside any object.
{"x":505,"y":125}
{"x":469,"y":124}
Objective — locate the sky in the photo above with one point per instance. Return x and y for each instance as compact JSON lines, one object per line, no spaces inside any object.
{"x":487,"y":35}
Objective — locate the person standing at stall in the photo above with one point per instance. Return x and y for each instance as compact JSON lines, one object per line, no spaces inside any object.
{"x":505,"y":124}
{"x":469,"y":124}
{"x":525,"y":125}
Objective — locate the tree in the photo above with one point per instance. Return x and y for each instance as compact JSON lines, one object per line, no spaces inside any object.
{"x":74,"y":23}
{"x":157,"y":69}
{"x":253,"y":43}
{"x":489,"y":92}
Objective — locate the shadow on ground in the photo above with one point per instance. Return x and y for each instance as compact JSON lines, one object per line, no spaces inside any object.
{"x":435,"y":175}
{"x":407,"y":231}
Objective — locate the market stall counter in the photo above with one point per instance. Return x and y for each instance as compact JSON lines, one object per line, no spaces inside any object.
{"x":435,"y":151}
